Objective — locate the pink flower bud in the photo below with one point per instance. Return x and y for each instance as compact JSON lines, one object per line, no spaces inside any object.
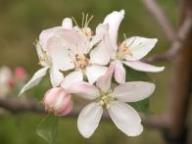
{"x":20,"y":73}
{"x":58,"y":101}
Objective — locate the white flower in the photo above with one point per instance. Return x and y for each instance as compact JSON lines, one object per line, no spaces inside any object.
{"x":114,"y":100}
{"x":47,"y":58}
{"x":130,"y":51}
{"x":45,"y":61}
{"x":76,"y":49}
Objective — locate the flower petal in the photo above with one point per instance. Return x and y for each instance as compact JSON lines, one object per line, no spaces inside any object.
{"x":119,"y":72}
{"x":102,"y":52}
{"x":114,"y":20}
{"x":56,"y":77}
{"x":67,"y":23}
{"x":125,"y":118}
{"x":35,"y":80}
{"x":59,"y":53}
{"x":84,"y":90}
{"x":72,"y":78}
{"x":89,"y":119}
{"x":93,"y":72}
{"x":139,"y":47}
{"x":45,"y":35}
{"x":133,"y":91}
{"x":140,"y":66}
{"x":104,"y":82}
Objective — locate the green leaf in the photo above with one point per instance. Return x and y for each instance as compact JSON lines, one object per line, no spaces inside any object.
{"x":47,"y":129}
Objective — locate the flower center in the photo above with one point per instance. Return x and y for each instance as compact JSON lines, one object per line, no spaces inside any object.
{"x":87,"y":32}
{"x":122,"y":51}
{"x":105,"y":100}
{"x":81,"y":61}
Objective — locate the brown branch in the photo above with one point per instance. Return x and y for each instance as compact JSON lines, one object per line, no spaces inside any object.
{"x":177,"y":45}
{"x":158,"y":13}
{"x":22,"y":106}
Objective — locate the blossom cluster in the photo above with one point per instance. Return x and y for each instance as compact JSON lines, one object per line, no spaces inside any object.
{"x":92,"y":65}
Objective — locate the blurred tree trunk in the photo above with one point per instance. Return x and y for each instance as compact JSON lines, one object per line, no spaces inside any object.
{"x":181,"y":85}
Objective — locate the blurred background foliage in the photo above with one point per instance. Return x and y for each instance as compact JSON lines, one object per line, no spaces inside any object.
{"x":21,"y":21}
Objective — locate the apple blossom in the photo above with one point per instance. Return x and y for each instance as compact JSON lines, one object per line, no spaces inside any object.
{"x":46,"y":60}
{"x":114,"y":101}
{"x":20,"y":73}
{"x":6,"y":79}
{"x":58,"y":101}
{"x":130,"y":51}
{"x":76,"y":49}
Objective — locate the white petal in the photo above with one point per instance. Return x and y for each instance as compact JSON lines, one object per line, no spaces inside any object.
{"x":102,"y":52}
{"x":84,"y":90}
{"x":59,"y":53}
{"x":45,"y":35}
{"x":100,"y":55}
{"x":67,"y":23}
{"x":76,"y":41}
{"x":140,"y":66}
{"x":133,"y":91}
{"x":89,"y":119}
{"x":35,"y":80}
{"x":125,"y":118}
{"x":114,"y":20}
{"x":119,"y":72}
{"x":93,"y":72}
{"x":72,"y":78}
{"x":104,"y":82}
{"x":56,"y":77}
{"x":139,"y":47}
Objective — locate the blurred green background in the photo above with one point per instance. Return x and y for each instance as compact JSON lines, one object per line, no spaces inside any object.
{"x":21,"y":21}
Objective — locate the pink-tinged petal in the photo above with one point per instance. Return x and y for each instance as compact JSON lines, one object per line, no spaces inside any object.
{"x":114,"y":20}
{"x":89,"y":119}
{"x":93,"y":72}
{"x":72,"y":78}
{"x":139,"y":47}
{"x":84,"y":90}
{"x":67,"y":23}
{"x":140,"y":66}
{"x":45,"y":35}
{"x":119,"y":72}
{"x":133,"y":91}
{"x":60,"y":55}
{"x":35,"y":80}
{"x":104,"y":82}
{"x":72,"y":40}
{"x":57,"y":100}
{"x":56,"y":77}
{"x":125,"y":118}
{"x":102,"y":52}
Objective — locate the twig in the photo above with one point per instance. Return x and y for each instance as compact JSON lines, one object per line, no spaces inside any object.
{"x":161,"y":18}
{"x":177,"y":44}
{"x":22,"y":106}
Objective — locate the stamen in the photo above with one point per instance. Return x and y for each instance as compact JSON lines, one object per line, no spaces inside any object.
{"x":83,"y":19}
{"x":75,"y":21}
{"x":89,"y":20}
